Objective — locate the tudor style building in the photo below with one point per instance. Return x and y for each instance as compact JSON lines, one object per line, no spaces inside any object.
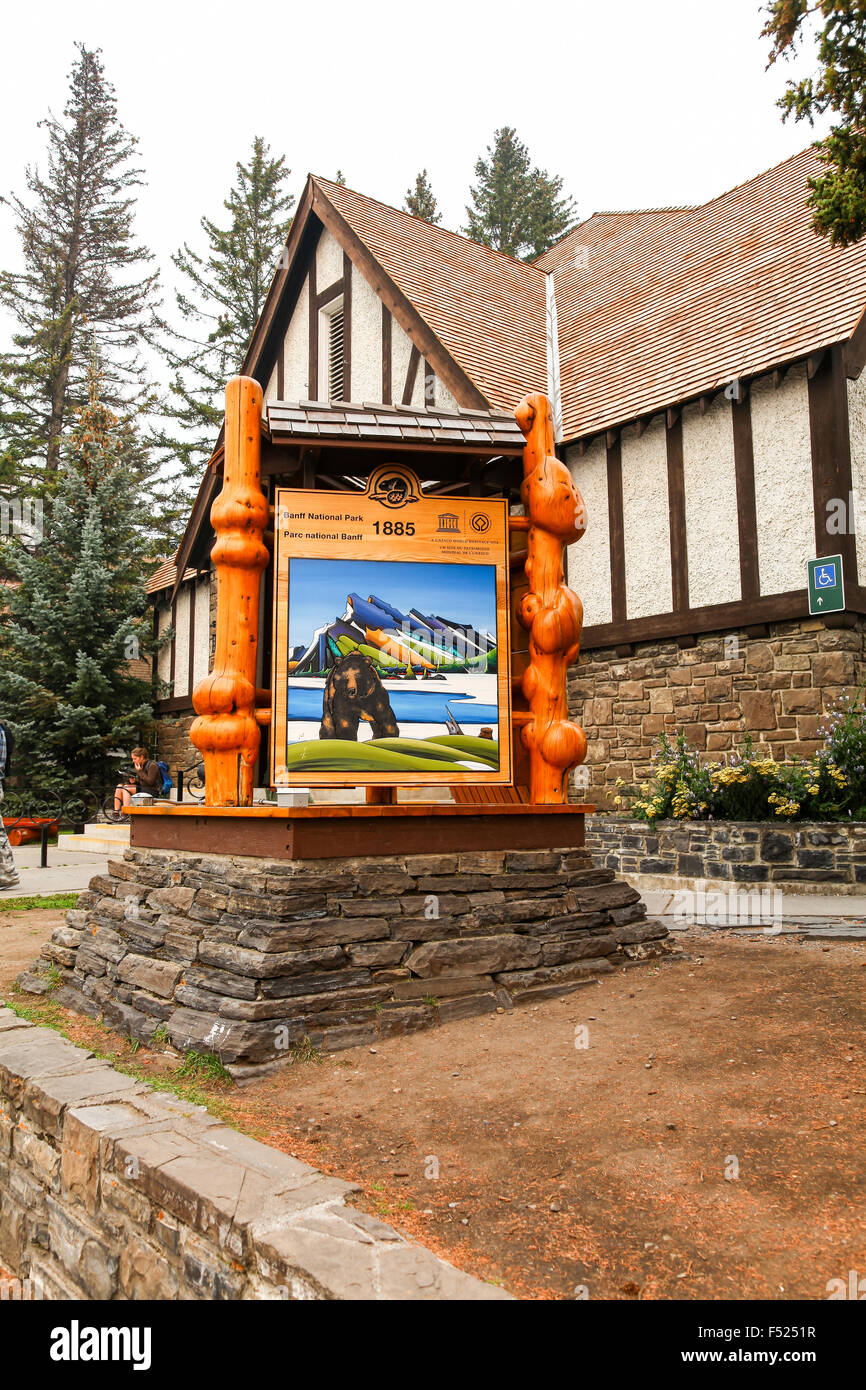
{"x":704,"y":365}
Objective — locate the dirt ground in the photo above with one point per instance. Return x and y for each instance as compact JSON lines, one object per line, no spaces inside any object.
{"x":21,"y":935}
{"x":702,"y":1139}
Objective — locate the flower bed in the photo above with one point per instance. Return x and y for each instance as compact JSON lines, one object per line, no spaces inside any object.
{"x":752,"y":786}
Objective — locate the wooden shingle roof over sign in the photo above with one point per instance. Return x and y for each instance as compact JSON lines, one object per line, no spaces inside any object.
{"x":486,"y":309}
{"x":335,"y":422}
{"x":166,"y":577}
{"x":659,"y":307}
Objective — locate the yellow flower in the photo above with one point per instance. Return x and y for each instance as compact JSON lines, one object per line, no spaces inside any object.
{"x":617,"y":801}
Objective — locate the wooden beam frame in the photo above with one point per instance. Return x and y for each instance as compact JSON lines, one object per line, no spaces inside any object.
{"x":387,"y":389}
{"x":677,"y":516}
{"x":831,"y":458}
{"x":462,"y":388}
{"x":411,"y":375}
{"x":747,"y":517}
{"x":616,"y":530}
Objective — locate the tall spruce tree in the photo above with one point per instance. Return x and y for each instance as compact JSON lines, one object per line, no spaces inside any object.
{"x":838,"y":29}
{"x":81,"y":289}
{"x":421,"y":201}
{"x":76,"y":614}
{"x":516,"y":208}
{"x":223,"y":295}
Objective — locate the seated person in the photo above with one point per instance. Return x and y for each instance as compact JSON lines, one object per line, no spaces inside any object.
{"x":146,"y":778}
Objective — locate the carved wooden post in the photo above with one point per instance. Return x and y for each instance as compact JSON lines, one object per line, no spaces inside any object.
{"x":226,"y":730}
{"x":550,"y":612}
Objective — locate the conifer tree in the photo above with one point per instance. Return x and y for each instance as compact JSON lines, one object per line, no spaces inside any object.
{"x":223,"y":295}
{"x":81,"y":289}
{"x":76,"y":614}
{"x":420,"y":200}
{"x":516,"y":208}
{"x":838,"y":27}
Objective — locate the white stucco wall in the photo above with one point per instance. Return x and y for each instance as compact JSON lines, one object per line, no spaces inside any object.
{"x":270,"y":391}
{"x":181,"y":641}
{"x":857,"y":429}
{"x":443,"y":398}
{"x":783,"y":481}
{"x":401,"y":348}
{"x":646,"y":521}
{"x":163,"y":663}
{"x":711,"y":505}
{"x":366,"y":340}
{"x":589,"y":558}
{"x":296,"y":348}
{"x":202,"y":631}
{"x":329,"y":262}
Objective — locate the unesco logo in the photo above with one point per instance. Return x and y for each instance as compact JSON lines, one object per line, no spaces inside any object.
{"x":480,"y":522}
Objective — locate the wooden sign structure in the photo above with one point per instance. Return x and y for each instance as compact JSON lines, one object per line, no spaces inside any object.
{"x":390,"y":649}
{"x":230,"y":710}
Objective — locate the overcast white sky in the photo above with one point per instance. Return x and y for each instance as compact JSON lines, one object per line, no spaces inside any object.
{"x":635,"y":104}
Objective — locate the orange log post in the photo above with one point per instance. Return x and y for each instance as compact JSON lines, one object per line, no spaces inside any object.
{"x":226,"y":731}
{"x":550,"y":612}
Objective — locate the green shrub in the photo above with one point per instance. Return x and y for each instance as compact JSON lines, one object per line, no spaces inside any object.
{"x":751,"y":785}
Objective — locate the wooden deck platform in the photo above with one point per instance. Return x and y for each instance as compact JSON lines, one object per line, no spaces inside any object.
{"x":341,"y":832}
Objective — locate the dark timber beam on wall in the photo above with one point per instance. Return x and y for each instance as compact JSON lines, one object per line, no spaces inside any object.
{"x":387,"y":389}
{"x":677,"y":516}
{"x":193,"y":592}
{"x":411,"y":374}
{"x":747,"y":517}
{"x":173,"y":643}
{"x":616,"y":530}
{"x":718,"y":617}
{"x":831,"y":458}
{"x":331,"y":293}
{"x":313,"y":366}
{"x":462,"y":388}
{"x":347,"y":328}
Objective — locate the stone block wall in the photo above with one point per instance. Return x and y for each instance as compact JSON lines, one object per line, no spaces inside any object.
{"x":248,"y":957}
{"x":777,"y":686}
{"x":801,"y":857}
{"x":109,"y":1190}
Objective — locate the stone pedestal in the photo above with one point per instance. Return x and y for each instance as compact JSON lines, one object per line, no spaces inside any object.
{"x":249,"y":957}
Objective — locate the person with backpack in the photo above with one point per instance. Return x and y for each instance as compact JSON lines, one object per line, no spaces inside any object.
{"x":8,"y":872}
{"x":149,"y":776}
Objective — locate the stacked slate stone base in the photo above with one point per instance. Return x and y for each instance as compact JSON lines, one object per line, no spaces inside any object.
{"x":249,"y":958}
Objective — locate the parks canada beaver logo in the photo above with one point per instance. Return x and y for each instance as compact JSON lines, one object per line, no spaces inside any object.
{"x":393,"y":485}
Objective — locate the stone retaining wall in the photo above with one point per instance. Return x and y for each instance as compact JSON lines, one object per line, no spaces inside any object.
{"x":777,"y":686}
{"x":109,"y":1190}
{"x":247,"y":958}
{"x":802,"y":858}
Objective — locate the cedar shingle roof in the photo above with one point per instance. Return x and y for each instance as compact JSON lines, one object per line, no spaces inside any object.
{"x":333,"y":421}
{"x":486,"y":308}
{"x":165,"y":576}
{"x":655,"y":307}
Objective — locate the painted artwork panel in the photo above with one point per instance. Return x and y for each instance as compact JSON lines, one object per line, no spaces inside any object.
{"x":389,"y":670}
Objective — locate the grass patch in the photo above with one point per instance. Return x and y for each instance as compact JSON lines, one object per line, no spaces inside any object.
{"x":304,"y":1051}
{"x":27,"y":904}
{"x":203,"y":1066}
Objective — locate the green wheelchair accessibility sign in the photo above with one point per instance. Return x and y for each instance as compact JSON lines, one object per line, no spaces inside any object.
{"x":826,"y":585}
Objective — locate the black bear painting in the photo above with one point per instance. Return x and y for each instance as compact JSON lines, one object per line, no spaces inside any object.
{"x":353,"y":693}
